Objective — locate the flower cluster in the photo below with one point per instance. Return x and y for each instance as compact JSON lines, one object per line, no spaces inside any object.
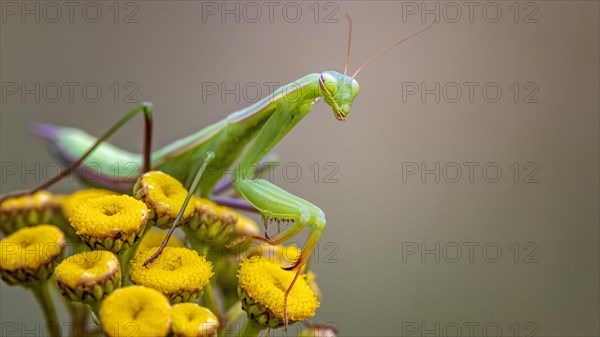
{"x":130,"y":283}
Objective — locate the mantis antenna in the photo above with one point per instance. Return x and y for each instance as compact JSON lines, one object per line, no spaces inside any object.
{"x":349,"y":40}
{"x":386,"y":49}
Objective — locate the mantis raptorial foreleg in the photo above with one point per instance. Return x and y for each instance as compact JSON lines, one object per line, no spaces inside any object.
{"x":225,"y":185}
{"x":273,"y":202}
{"x":268,"y":161}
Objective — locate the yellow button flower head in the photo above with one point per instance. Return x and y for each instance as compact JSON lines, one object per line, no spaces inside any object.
{"x":112,"y":222}
{"x":286,"y":255}
{"x":164,"y":195}
{"x":30,"y":254}
{"x":263,"y":284}
{"x":135,"y":311}
{"x":88,"y":276}
{"x":192,"y":320}
{"x":220,"y":225}
{"x":76,"y":198}
{"x":29,"y":210}
{"x":180,"y":273}
{"x":211,"y":222}
{"x":244,"y":226}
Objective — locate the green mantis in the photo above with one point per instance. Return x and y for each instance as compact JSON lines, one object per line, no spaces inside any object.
{"x":243,"y":138}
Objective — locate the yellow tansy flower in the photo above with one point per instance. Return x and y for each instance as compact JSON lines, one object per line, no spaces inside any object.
{"x":135,"y":311}
{"x":73,"y":200}
{"x":245,"y":226}
{"x":263,"y":284}
{"x":29,"y":210}
{"x":214,"y":224}
{"x":112,"y":222}
{"x":211,"y":222}
{"x":164,"y":195}
{"x":88,"y":276}
{"x":180,"y":273}
{"x":192,"y":320}
{"x":30,"y":254}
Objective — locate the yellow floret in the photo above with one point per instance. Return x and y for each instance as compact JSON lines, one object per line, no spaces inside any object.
{"x":175,"y":271}
{"x":218,"y":224}
{"x":31,"y":248}
{"x":192,"y":320}
{"x":109,"y":215}
{"x":245,"y":226}
{"x":73,"y":200}
{"x":38,"y":200}
{"x":30,"y":210}
{"x":135,"y":311}
{"x":265,"y":282}
{"x":164,"y":194}
{"x":87,"y":268}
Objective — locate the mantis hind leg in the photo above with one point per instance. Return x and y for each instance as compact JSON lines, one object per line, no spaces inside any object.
{"x":146,"y":108}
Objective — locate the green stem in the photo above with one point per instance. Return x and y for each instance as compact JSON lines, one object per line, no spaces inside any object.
{"x":209,"y":296}
{"x":79,"y":314}
{"x":251,"y":329}
{"x":95,"y":306}
{"x":41,"y":291}
{"x":125,"y":262}
{"x":232,"y":316}
{"x":128,"y":254}
{"x":210,"y":301}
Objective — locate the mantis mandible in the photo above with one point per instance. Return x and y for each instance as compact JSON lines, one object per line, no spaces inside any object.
{"x":245,"y":136}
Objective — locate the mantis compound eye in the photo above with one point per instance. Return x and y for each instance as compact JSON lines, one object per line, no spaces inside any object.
{"x":355,"y":88}
{"x":329,"y":83}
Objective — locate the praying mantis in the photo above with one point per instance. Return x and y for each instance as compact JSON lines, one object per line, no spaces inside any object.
{"x":243,"y":138}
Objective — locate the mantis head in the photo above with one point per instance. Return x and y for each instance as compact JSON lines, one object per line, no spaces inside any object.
{"x":339,"y":91}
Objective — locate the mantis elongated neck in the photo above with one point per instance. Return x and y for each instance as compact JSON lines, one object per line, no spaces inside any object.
{"x":258,"y":128}
{"x":291,"y":103}
{"x":305,"y":89}
{"x":302,"y":91}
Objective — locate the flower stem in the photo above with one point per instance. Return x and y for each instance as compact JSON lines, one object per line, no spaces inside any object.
{"x":125,"y":262}
{"x":209,"y":298}
{"x":95,"y":307}
{"x":126,"y":256}
{"x":233,"y":314}
{"x":210,"y":301}
{"x":251,"y":329}
{"x":79,"y":314}
{"x":41,"y":291}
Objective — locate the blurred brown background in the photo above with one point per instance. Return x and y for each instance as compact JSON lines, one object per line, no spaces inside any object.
{"x":475,"y":254}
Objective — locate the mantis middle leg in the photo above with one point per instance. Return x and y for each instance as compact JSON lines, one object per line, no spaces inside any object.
{"x":146,"y":108}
